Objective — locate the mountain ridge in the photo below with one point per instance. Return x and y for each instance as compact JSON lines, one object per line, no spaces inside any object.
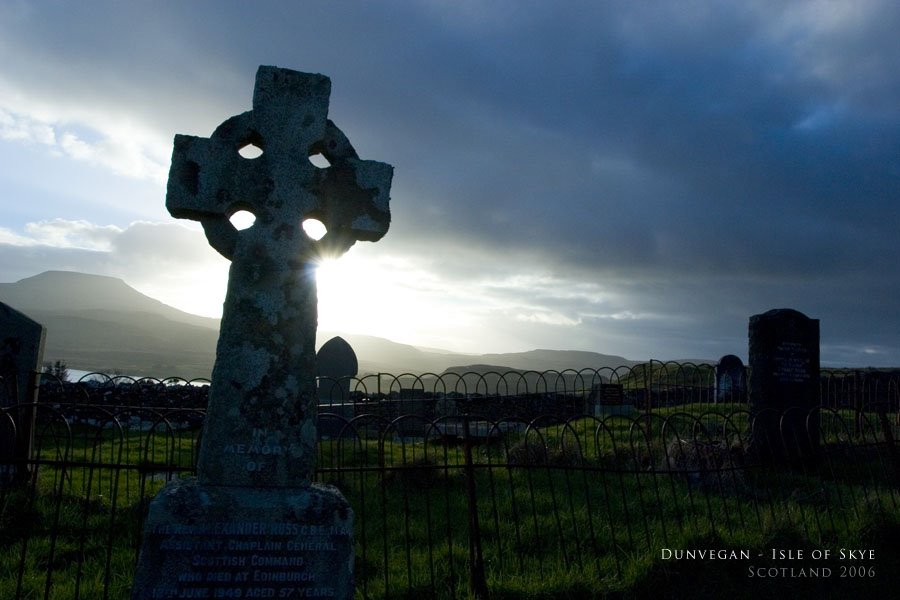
{"x":86,"y":291}
{"x":95,"y":322}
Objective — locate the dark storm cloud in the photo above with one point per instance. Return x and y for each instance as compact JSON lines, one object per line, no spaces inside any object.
{"x":613,"y":142}
{"x":698,"y":161}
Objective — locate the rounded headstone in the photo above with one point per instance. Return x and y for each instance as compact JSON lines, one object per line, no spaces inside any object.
{"x":336,"y":359}
{"x":731,"y":379}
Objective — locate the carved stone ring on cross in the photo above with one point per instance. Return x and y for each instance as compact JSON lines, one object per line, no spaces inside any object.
{"x":328,"y":185}
{"x":210,"y":180}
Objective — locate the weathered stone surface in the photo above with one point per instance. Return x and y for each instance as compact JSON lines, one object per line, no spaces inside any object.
{"x":784,"y":380}
{"x":224,"y":542}
{"x":21,"y":354}
{"x":243,"y":527}
{"x":209,"y":180}
{"x":263,"y":390}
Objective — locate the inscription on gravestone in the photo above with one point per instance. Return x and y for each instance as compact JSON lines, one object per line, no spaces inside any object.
{"x":784,"y":385}
{"x":252,"y":524}
{"x":792,"y":362}
{"x":608,"y":399}
{"x":612,"y":394}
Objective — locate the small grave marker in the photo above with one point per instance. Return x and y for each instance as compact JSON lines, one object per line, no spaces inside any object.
{"x":731,"y":379}
{"x":609,"y":399}
{"x":337,"y":364}
{"x":612,"y":394}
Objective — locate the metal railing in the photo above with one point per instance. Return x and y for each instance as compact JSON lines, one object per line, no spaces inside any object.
{"x":458,"y":498}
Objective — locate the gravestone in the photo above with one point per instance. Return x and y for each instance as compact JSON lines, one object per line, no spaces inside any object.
{"x":784,"y":386}
{"x":21,"y":354}
{"x":252,"y":524}
{"x":608,"y":399}
{"x":336,"y":364}
{"x":731,"y":379}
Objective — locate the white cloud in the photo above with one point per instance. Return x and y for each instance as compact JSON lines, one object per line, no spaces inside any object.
{"x":63,"y":234}
{"x":121,"y":147}
{"x":547,"y":318}
{"x":19,"y":128}
{"x":627,"y":315}
{"x":72,"y":234}
{"x":76,"y":148}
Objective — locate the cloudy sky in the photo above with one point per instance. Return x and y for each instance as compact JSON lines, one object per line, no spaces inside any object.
{"x":628,"y":178}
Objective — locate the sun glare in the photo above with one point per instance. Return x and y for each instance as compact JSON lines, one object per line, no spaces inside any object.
{"x":363,"y":296}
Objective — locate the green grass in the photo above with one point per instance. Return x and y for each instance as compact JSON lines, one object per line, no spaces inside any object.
{"x":555,"y":531}
{"x":565,"y":511}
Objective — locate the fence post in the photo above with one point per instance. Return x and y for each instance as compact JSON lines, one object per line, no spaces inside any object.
{"x":889,"y":440}
{"x":477,"y":582}
{"x":648,"y":394}
{"x":26,"y":418}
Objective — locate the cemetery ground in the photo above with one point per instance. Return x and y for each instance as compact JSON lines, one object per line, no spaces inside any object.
{"x":582,"y":507}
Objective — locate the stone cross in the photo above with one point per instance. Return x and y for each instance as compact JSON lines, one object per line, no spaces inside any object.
{"x":260,"y":428}
{"x":252,"y":524}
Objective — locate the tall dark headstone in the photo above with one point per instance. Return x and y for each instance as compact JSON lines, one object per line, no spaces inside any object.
{"x":21,"y":354}
{"x":784,"y":385}
{"x":252,"y":524}
{"x":731,"y":379}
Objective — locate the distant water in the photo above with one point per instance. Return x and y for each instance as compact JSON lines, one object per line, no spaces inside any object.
{"x":76,"y":374}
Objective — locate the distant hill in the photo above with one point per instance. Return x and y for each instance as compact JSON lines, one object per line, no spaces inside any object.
{"x":100,"y":323}
{"x":54,"y":291}
{"x":556,"y":360}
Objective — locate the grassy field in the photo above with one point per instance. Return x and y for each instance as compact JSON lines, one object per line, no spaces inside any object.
{"x":582,"y":509}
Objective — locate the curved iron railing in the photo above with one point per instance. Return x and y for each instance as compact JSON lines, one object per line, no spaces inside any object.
{"x":453,"y":501}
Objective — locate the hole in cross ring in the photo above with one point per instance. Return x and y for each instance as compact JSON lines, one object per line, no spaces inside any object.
{"x":242,"y":219}
{"x":314,"y":228}
{"x":250,"y":151}
{"x":319,"y":161}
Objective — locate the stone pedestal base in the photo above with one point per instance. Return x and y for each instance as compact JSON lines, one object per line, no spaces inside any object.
{"x":205,"y":541}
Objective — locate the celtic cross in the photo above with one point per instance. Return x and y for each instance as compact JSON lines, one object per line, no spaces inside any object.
{"x":260,"y":428}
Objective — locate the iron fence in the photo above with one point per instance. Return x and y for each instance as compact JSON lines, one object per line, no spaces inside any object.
{"x":647,"y":386}
{"x":458,"y":498}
